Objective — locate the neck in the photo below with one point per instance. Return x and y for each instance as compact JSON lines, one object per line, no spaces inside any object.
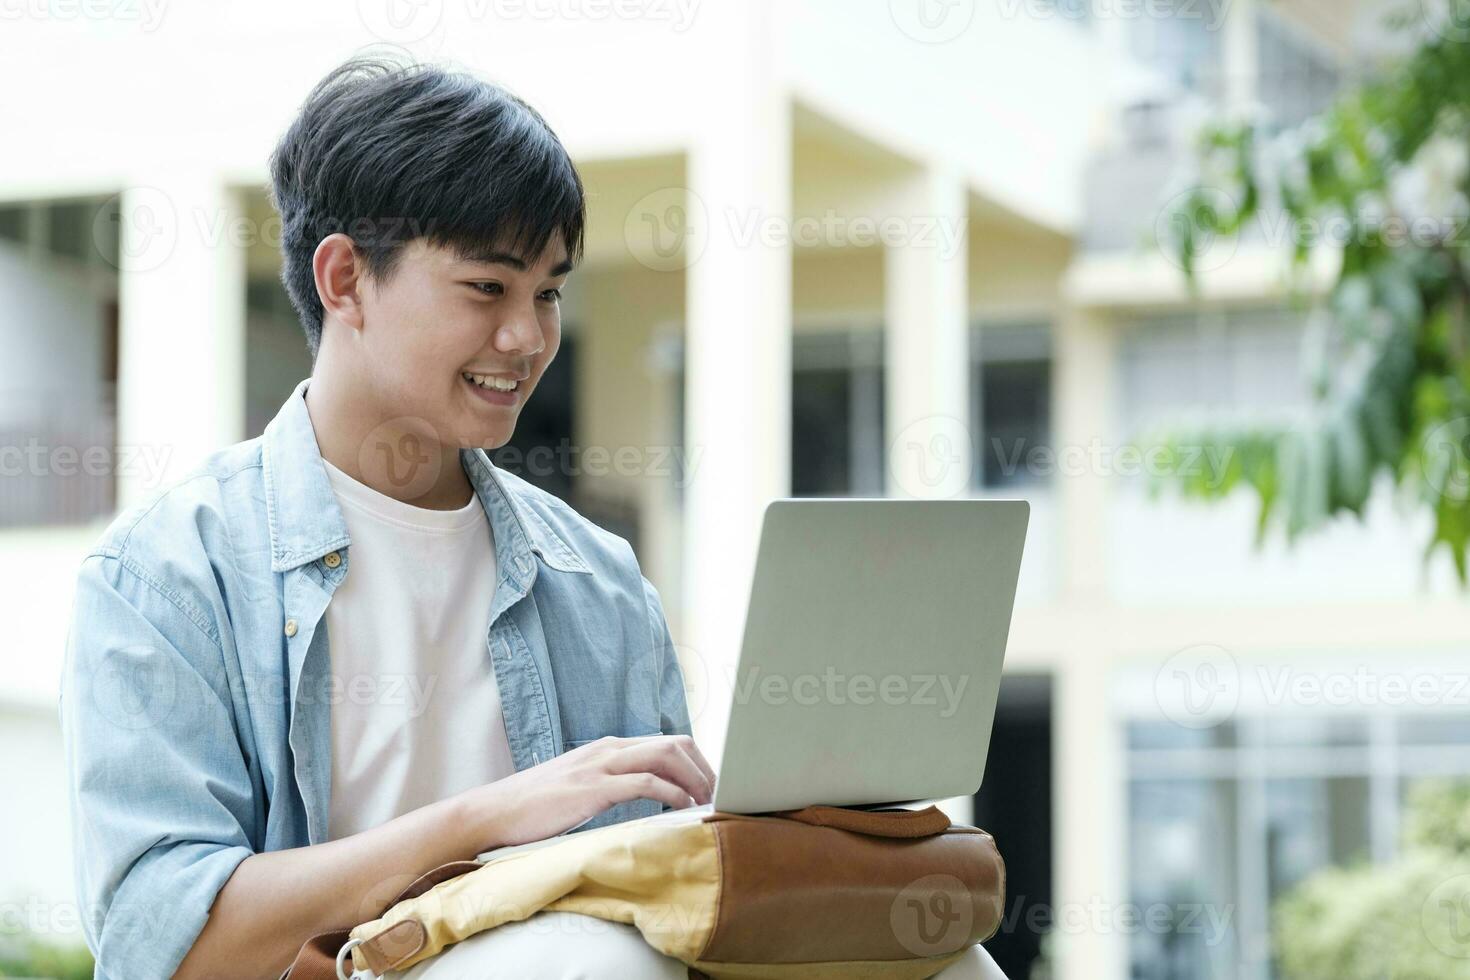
{"x":399,"y":456}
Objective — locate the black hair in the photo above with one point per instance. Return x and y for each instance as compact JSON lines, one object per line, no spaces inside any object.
{"x":389,"y":152}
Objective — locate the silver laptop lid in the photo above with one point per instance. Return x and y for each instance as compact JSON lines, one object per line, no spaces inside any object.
{"x":872,"y":652}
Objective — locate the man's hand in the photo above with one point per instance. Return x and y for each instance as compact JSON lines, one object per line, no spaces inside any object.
{"x":561,"y":793}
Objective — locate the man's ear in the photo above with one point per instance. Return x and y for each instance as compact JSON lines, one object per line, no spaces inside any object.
{"x":339,"y":279}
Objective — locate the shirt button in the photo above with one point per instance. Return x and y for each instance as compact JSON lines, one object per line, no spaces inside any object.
{"x":332,"y":560}
{"x":290,"y":627}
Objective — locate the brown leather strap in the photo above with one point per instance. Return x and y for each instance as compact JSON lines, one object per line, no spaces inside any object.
{"x":431,"y":878}
{"x":317,"y":959}
{"x":394,"y":945}
{"x":876,"y":823}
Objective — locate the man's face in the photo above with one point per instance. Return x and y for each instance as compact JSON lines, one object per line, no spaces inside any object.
{"x":446,"y":336}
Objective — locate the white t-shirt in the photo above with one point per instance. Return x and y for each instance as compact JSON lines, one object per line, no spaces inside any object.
{"x":415,"y":708}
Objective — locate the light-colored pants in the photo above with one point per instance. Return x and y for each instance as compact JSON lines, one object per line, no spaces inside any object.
{"x":570,"y":946}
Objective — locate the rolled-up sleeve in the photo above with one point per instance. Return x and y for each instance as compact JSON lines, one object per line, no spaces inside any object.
{"x":159,"y":792}
{"x":673,"y":699}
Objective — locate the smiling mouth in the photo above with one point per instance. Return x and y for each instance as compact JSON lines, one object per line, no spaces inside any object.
{"x":491,"y":383}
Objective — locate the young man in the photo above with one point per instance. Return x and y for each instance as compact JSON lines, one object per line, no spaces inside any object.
{"x":352,"y":649}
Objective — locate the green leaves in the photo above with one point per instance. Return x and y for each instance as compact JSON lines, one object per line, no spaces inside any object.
{"x":1393,"y":394}
{"x":1405,"y":919}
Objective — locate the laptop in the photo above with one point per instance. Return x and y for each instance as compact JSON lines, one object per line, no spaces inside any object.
{"x":871,"y":653}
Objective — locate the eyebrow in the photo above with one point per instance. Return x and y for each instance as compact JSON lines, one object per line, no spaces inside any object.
{"x":505,"y":258}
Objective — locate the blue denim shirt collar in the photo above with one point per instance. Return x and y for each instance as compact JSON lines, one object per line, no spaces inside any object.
{"x":306,"y":523}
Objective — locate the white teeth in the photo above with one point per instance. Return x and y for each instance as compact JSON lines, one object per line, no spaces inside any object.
{"x":494,"y":384}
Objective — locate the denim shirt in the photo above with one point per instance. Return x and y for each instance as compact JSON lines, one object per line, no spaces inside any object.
{"x":197,"y":688}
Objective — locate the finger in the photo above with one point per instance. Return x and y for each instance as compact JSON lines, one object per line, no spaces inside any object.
{"x":648,"y":786}
{"x":666,"y":758}
{"x":691,"y":748}
{"x":686,"y":742}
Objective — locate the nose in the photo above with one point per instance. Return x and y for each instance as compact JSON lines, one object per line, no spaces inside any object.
{"x":520,"y":333}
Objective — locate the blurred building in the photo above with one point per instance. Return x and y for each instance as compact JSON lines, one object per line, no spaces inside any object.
{"x":893,"y":248}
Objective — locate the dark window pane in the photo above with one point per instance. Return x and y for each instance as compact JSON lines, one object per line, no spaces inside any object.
{"x":837,"y":441}
{"x":71,"y":229}
{"x":1182,"y":873}
{"x":821,"y":451}
{"x":1313,"y":823}
{"x":13,"y":222}
{"x":1016,"y":420}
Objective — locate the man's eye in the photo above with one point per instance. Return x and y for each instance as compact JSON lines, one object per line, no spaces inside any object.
{"x":488,"y":288}
{"x":552,"y":295}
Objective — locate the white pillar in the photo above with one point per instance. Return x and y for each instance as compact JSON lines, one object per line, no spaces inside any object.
{"x":926,"y":341}
{"x":181,"y":361}
{"x":1239,"y":57}
{"x":1084,"y":363}
{"x":1089,"y":817}
{"x":1089,"y":811}
{"x":927,"y":352}
{"x":738,"y":346}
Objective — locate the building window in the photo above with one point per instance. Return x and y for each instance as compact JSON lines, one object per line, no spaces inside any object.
{"x":1298,"y":77}
{"x":58,"y":419}
{"x":1181,"y":40}
{"x":1224,"y":821}
{"x":1010,"y":402}
{"x":1209,"y":366}
{"x":837,"y":414}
